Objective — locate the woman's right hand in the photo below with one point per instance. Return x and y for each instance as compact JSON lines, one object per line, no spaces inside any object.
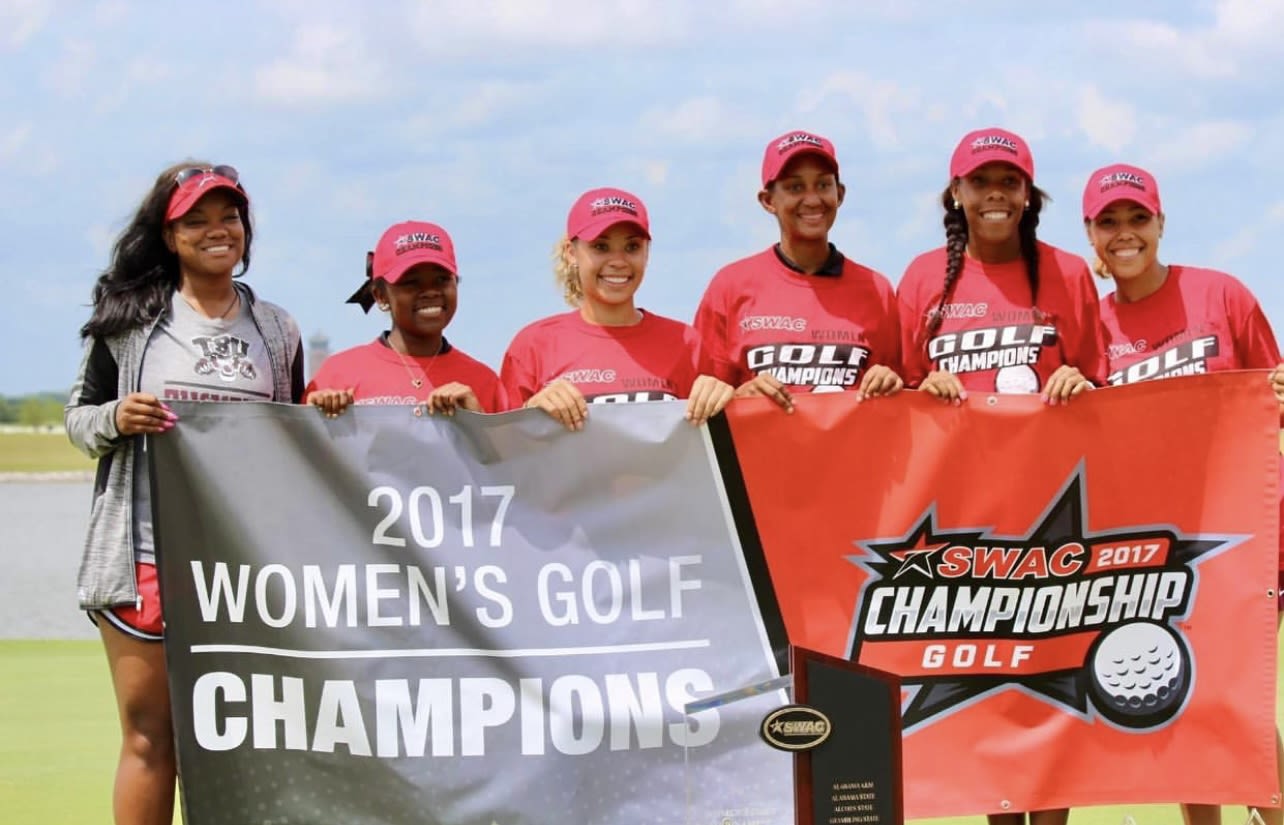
{"x":945,"y":386}
{"x":564,"y":402}
{"x":767,"y":385}
{"x":142,"y":412}
{"x":331,"y":402}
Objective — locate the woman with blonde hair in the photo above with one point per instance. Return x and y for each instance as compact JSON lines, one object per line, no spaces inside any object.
{"x":607,"y":349}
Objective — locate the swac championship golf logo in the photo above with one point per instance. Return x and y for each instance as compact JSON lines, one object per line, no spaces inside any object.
{"x":1086,"y":621}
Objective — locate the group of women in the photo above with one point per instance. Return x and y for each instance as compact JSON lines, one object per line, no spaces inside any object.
{"x":993,"y":310}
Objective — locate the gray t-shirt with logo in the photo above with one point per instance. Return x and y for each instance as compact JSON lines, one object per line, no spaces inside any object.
{"x":194,"y":358}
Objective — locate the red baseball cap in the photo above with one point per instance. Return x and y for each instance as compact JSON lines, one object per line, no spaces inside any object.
{"x":1120,"y":182}
{"x":597,"y":210}
{"x":789,"y":146}
{"x":402,"y":247}
{"x":406,"y":245}
{"x":992,"y":145}
{"x":195,"y":183}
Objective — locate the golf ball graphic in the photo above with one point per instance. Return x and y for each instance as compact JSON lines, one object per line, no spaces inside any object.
{"x":1140,"y":674}
{"x":1018,"y":379}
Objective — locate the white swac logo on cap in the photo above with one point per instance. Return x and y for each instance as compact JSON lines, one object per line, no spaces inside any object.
{"x":416,"y":240}
{"x":614,"y":203}
{"x":796,"y":138}
{"x":994,"y":142}
{"x":1122,"y":179}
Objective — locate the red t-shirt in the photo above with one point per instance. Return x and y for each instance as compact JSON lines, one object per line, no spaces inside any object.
{"x":991,"y":337}
{"x":814,"y":333}
{"x":376,"y":375}
{"x":655,"y":359}
{"x":1199,"y":320}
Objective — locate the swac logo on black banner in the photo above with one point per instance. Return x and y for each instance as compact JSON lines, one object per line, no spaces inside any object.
{"x":795,"y":728}
{"x":1086,"y":621}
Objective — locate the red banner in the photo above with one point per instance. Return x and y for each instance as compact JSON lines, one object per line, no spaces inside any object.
{"x":1080,"y":600}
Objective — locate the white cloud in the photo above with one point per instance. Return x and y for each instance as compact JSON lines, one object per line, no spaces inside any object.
{"x":696,"y":119}
{"x":327,"y":64}
{"x":22,"y":19}
{"x":1199,"y":144}
{"x":464,"y":26}
{"x":1108,"y":124}
{"x":1252,"y":23}
{"x":1241,"y":34}
{"x":656,"y":172}
{"x":100,"y":238}
{"x":481,"y":104}
{"x":141,"y":72}
{"x":881,"y":102}
{"x":1155,"y":44}
{"x":14,"y":140}
{"x":71,"y":71}
{"x":109,"y":12}
{"x":1246,"y":241}
{"x":21,"y":152}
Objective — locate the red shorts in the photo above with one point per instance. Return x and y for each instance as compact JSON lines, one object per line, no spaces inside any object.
{"x":145,"y":621}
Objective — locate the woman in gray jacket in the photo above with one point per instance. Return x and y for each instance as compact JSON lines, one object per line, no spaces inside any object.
{"x":168,"y":323}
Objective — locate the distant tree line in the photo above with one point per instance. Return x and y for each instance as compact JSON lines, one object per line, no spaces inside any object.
{"x":37,"y":410}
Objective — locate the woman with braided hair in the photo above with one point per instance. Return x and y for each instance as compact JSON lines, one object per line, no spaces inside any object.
{"x":995,"y":309}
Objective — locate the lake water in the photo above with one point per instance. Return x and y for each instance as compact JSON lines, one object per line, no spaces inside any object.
{"x":42,"y":531}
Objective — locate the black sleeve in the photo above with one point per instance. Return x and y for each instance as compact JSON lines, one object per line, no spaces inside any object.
{"x":297,"y":381}
{"x":100,"y":379}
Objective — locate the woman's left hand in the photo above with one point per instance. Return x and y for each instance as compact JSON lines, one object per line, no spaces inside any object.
{"x":1065,"y":383}
{"x":453,"y":396}
{"x":1277,"y":382}
{"x":879,"y":380}
{"x":708,"y":397}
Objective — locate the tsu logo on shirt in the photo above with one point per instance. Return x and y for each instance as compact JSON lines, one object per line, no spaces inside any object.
{"x":823,"y":367}
{"x":225,"y":356}
{"x":1086,"y":621}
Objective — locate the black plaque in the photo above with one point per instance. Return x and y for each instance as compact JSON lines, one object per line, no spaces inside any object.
{"x":853,"y":776}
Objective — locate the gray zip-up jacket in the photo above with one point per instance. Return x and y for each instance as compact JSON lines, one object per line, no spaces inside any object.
{"x":109,"y":371}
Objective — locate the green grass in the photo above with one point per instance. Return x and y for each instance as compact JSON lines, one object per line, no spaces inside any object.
{"x":59,"y":737}
{"x":40,"y":453}
{"x":60,"y":733}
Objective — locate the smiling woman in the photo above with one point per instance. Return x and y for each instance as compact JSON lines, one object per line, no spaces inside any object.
{"x":607,"y":350}
{"x":412,"y":276}
{"x":169,"y":322}
{"x":801,"y":317}
{"x":1167,"y":320}
{"x":995,"y":309}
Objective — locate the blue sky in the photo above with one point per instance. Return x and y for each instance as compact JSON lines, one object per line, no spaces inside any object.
{"x":490,"y":117}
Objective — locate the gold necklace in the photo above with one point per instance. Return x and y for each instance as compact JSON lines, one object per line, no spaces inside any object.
{"x":418,"y":382}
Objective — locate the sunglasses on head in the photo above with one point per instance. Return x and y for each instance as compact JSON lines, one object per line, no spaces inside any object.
{"x":229,"y":172}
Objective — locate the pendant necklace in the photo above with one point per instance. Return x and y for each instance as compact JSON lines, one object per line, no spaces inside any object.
{"x":418,"y":381}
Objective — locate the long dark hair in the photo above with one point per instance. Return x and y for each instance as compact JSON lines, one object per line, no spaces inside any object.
{"x":136,"y":285}
{"x":956,"y":234}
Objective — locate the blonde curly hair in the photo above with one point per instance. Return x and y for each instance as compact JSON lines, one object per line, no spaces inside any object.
{"x":566,"y":273}
{"x":1100,"y":269}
